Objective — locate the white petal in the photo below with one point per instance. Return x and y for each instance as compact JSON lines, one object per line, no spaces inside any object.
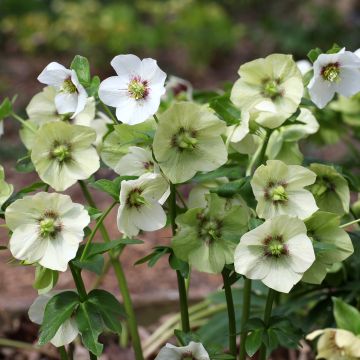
{"x":321,"y":91}
{"x":349,"y":83}
{"x":54,"y":74}
{"x":125,"y":222}
{"x":149,"y":217}
{"x":301,"y":203}
{"x":126,"y":64}
{"x":301,"y":253}
{"x":66,"y":333}
{"x":113,"y":91}
{"x":66,"y":103}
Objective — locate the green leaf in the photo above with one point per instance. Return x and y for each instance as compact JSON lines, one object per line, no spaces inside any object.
{"x":179,"y":265}
{"x":94,"y":86}
{"x":5,"y":109}
{"x":81,"y":65}
{"x":90,"y":324}
{"x":155,"y":256}
{"x":45,"y":279}
{"x":225,"y":109}
{"x":254,"y":341}
{"x":94,"y":264}
{"x":313,"y":54}
{"x":108,"y":187}
{"x":231,"y":172}
{"x":57,"y":311}
{"x":346,"y":316}
{"x":109,"y":308}
{"x":334,"y":49}
{"x":93,"y":212}
{"x":24,"y":165}
{"x":185,"y":338}
{"x":254,"y":223}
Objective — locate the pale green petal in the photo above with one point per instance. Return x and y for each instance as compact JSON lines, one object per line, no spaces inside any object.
{"x":5,"y":189}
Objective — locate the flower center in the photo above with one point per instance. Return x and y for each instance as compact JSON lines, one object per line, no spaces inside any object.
{"x":276,"y":192}
{"x":271,"y":89}
{"x":209,"y":230}
{"x":68,"y":87}
{"x":331,"y":72}
{"x":184,"y":139}
{"x":49,"y":225}
{"x":188,"y":356}
{"x":61,"y":152}
{"x":321,"y":186}
{"x":138,"y":89}
{"x":279,"y":194}
{"x":274,"y":246}
{"x":135,"y":199}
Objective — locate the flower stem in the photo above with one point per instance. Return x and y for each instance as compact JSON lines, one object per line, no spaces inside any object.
{"x":185,"y":323}
{"x":267,"y":316}
{"x":93,"y":232}
{"x":121,"y":279}
{"x":245,"y":317}
{"x":63,"y":353}
{"x":231,"y":311}
{"x":156,"y":118}
{"x":23,"y":122}
{"x":108,"y":111}
{"x":349,"y":223}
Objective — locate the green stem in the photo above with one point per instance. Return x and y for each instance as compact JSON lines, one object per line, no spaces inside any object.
{"x":156,"y":118}
{"x":267,"y":316}
{"x":185,"y":323}
{"x":25,"y":346}
{"x":122,"y":283}
{"x":245,"y":317}
{"x":231,"y":311}
{"x":76,"y":273}
{"x":63,"y":353}
{"x":93,"y":232}
{"x":349,"y":223}
{"x":108,"y":111}
{"x":260,"y":157}
{"x":23,"y":122}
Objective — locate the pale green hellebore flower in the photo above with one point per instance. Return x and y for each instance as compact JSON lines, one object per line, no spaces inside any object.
{"x":331,"y":190}
{"x":207,"y":238}
{"x":5,"y":189}
{"x":63,"y":154}
{"x":334,"y":244}
{"x":279,"y":190}
{"x":269,"y":88}
{"x":188,"y":140}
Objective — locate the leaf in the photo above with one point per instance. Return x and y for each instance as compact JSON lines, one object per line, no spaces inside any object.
{"x":5,"y":109}
{"x":82,"y":68}
{"x":108,"y":187}
{"x":254,"y":223}
{"x":45,"y":279}
{"x":57,"y":311}
{"x":94,"y":264}
{"x":155,"y":256}
{"x":254,"y":324}
{"x":179,"y":265}
{"x":334,"y":49}
{"x":225,"y":110}
{"x":109,"y":308}
{"x":94,"y":86}
{"x":346,"y":316}
{"x":185,"y":338}
{"x":231,"y":172}
{"x":24,"y":165}
{"x":313,"y":54}
{"x":90,"y":324}
{"x":254,"y":341}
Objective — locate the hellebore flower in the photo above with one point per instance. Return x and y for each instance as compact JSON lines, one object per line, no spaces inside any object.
{"x":193,"y":351}
{"x":70,"y":94}
{"x":5,"y":189}
{"x":140,"y":204}
{"x":278,"y":252}
{"x":207,"y":238}
{"x":136,"y":90}
{"x":47,"y":228}
{"x":187,"y":140}
{"x":63,"y":153}
{"x":279,"y":190}
{"x":334,"y":73}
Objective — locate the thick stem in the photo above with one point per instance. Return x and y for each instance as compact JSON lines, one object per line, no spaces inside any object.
{"x":122,"y":283}
{"x":185,"y":323}
{"x":267,"y":316}
{"x":245,"y":317}
{"x":231,"y":312}
{"x":63,"y":353}
{"x":78,"y":282}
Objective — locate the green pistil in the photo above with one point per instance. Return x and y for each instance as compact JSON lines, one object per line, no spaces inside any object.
{"x":135,"y":199}
{"x":322,"y":186}
{"x":271,"y":89}
{"x":137,"y":89}
{"x":47,"y":228}
{"x":61,"y":152}
{"x":185,"y":140}
{"x":279,"y":194}
{"x":331,"y":72}
{"x":68,"y":87}
{"x":276,"y":249}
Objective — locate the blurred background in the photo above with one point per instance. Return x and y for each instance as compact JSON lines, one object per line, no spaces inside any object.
{"x":203,"y":41}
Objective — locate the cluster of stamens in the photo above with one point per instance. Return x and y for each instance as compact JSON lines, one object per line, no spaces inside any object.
{"x":135,"y":199}
{"x":276,"y":192}
{"x":185,"y":139}
{"x":209,"y":229}
{"x":271,"y":88}
{"x":68,"y":87}
{"x":331,"y":72}
{"x":188,"y":356}
{"x":49,"y":224}
{"x":275,"y":246}
{"x":138,"y":89}
{"x":61,"y":152}
{"x":322,"y":185}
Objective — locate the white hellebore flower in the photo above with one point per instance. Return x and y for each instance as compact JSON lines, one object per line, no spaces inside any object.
{"x":278,"y":252}
{"x":47,"y":228}
{"x":279,"y":190}
{"x":136,"y":90}
{"x":136,"y":162}
{"x":71,"y":95}
{"x":193,"y":351}
{"x":140,"y":204}
{"x":334,"y":73}
{"x":67,"y":331}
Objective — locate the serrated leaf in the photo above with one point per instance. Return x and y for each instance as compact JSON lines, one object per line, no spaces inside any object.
{"x":82,"y":68}
{"x":94,"y":264}
{"x":90,"y":324}
{"x":109,"y":308}
{"x":108,"y":187}
{"x":5,"y":109}
{"x":334,"y":49}
{"x":185,"y":338}
{"x":94,"y":86}
{"x":313,"y":54}
{"x":57,"y":311}
{"x":94,"y":213}
{"x":155,"y":256}
{"x":225,"y":110}
{"x":254,"y":341}
{"x":346,"y":316}
{"x":179,"y":265}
